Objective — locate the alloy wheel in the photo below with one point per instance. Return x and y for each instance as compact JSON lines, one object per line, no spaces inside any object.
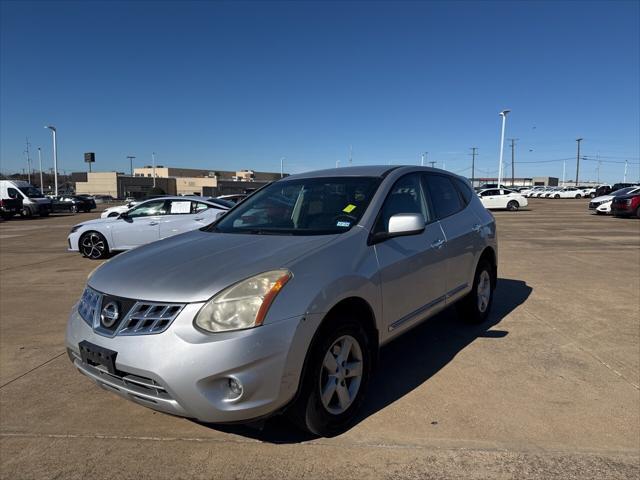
{"x":484,"y":291}
{"x":341,"y":374}
{"x":93,"y":245}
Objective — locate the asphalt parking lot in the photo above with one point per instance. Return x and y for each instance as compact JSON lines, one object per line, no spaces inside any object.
{"x":549,"y":388}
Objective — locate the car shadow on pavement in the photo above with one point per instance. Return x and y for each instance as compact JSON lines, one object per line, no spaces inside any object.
{"x":407,"y":362}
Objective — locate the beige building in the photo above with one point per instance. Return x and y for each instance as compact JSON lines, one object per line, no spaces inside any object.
{"x":99,"y":183}
{"x":191,"y":181}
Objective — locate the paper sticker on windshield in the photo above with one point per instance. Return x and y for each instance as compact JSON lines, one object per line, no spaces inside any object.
{"x":343,"y":224}
{"x":349,"y":208}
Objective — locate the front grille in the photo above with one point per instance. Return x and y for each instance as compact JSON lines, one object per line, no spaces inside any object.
{"x":132,"y":383}
{"x":137,"y":317}
{"x":147,"y":318}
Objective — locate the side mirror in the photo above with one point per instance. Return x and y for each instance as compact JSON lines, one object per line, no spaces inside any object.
{"x":123,"y":215}
{"x":401,"y":224}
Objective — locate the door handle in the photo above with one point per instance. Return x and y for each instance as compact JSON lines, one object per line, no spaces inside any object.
{"x":199,"y":219}
{"x":437,"y":244}
{"x":153,"y":223}
{"x":477,"y":227}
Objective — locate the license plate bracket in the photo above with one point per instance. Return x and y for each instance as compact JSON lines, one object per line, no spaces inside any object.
{"x":92,"y":354}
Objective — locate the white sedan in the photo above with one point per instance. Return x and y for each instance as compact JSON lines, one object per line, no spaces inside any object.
{"x":502,"y":198}
{"x":117,"y":210}
{"x":567,"y":192}
{"x":145,"y":223}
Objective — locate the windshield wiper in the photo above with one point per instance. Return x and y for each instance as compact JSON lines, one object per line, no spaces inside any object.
{"x":264,"y":231}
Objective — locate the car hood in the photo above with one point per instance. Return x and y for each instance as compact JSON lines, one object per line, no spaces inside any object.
{"x":194,"y":266}
{"x":603,"y":198}
{"x":98,"y":221}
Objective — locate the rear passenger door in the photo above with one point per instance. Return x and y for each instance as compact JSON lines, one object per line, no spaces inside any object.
{"x":412,"y":268}
{"x":184,"y":216}
{"x":450,"y":198}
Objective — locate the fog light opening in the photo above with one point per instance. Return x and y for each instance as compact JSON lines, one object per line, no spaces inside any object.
{"x":235,"y":388}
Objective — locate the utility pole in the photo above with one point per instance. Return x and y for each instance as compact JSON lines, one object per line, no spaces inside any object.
{"x":473,"y":164}
{"x":28,"y":161}
{"x":564,"y":170}
{"x":422,"y":159}
{"x":626,"y":164}
{"x":513,"y":160}
{"x":350,"y":154}
{"x":282,"y":159}
{"x":153,"y":160}
{"x":55,"y":158}
{"x":130,"y":158}
{"x":503,"y":114}
{"x":40,"y":166}
{"x":578,"y":161}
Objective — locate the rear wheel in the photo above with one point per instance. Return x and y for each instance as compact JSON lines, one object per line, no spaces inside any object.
{"x":336,"y":377}
{"x":93,"y":245}
{"x":578,"y":196}
{"x":513,"y":206}
{"x":74,"y":208}
{"x":556,"y":195}
{"x":475,"y":307}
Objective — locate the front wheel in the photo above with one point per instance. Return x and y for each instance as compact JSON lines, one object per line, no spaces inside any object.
{"x":592,"y":195}
{"x":512,"y":206}
{"x":26,"y":212}
{"x":335,"y":380}
{"x":557,"y":196}
{"x":475,"y":307}
{"x":578,"y":196}
{"x":93,"y":245}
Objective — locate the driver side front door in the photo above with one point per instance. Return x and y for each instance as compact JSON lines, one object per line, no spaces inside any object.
{"x":140,"y":226}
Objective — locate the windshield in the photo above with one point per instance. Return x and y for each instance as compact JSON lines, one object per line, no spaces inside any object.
{"x":31,"y":192}
{"x":623,"y":191}
{"x":309,"y":206}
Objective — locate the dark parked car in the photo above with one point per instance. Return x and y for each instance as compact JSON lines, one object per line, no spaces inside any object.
{"x":10,"y":207}
{"x":626,"y":206}
{"x":74,"y":203}
{"x":607,"y":189}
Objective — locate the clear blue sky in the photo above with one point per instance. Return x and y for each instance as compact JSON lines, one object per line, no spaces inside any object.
{"x":225,"y":85}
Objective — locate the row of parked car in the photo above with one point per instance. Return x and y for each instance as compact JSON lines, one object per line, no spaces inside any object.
{"x":18,"y":197}
{"x":623,"y":202}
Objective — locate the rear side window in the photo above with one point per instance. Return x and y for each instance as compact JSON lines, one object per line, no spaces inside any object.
{"x":465,"y":190}
{"x":13,"y":193}
{"x":444,"y":197}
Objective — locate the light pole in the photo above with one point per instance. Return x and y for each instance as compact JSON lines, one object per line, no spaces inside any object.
{"x":503,"y":114}
{"x":282,"y":159}
{"x":564,"y":169}
{"x":153,"y":163}
{"x":131,"y":157}
{"x":626,"y":164}
{"x":578,"y":161}
{"x":40,"y":166}
{"x":55,"y":159}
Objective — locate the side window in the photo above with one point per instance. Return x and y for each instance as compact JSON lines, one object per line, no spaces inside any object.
{"x":406,"y":196}
{"x":490,"y":193}
{"x":148,"y":209}
{"x":444,"y":196}
{"x":199,"y":207}
{"x":13,"y":193}
{"x":464,"y":189}
{"x":178,"y":207}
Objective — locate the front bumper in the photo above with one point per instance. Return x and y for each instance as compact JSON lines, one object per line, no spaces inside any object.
{"x":186,"y":372}
{"x":73,"y":240}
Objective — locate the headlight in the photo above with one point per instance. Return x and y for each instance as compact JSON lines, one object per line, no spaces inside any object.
{"x":75,"y":229}
{"x":243,"y":305}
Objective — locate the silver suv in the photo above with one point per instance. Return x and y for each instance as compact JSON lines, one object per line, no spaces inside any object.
{"x":282,"y":304}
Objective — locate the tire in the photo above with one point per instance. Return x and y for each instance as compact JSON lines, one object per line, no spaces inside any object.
{"x":93,"y":245}
{"x":578,"y":196}
{"x":513,"y":206}
{"x":638,"y":212}
{"x":557,"y":196}
{"x":592,"y":195}
{"x":74,"y":209}
{"x":113,"y":214}
{"x":336,"y":412}
{"x":26,"y":212}
{"x":475,"y":306}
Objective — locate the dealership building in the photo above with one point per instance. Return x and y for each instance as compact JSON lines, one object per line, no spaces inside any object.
{"x":174,"y":181}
